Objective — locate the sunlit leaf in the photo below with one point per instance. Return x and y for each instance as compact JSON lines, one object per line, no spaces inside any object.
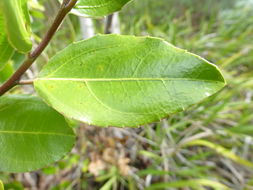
{"x":32,"y":135}
{"x":113,"y":80}
{"x":98,"y":8}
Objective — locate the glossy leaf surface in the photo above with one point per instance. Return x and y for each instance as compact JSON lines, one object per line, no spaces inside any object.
{"x":6,"y":50}
{"x":113,"y":80}
{"x":98,"y":8}
{"x":32,"y":135}
{"x":17,"y":24}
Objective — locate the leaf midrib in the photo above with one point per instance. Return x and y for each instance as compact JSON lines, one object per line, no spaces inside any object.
{"x":126,"y":79}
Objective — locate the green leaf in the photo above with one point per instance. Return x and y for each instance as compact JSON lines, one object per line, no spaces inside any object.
{"x":98,"y":8}
{"x":6,"y":50}
{"x":113,"y":80}
{"x":32,"y":135}
{"x":17,"y":24}
{"x":6,"y":72}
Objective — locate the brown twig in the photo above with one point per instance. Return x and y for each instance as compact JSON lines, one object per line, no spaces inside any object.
{"x":26,"y":82}
{"x":65,"y":8}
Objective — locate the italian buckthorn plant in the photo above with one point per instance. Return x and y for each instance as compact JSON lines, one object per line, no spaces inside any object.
{"x":107,"y":80}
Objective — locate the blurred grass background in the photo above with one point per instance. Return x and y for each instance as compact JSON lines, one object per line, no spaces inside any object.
{"x":209,"y":146}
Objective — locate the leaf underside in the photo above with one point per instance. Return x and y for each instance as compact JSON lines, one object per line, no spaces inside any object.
{"x":32,"y":135}
{"x":113,"y":80}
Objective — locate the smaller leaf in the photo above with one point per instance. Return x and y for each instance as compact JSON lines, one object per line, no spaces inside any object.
{"x":17,"y":23}
{"x":32,"y":134}
{"x":98,"y":8}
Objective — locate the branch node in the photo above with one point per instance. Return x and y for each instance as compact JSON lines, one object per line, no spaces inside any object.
{"x":66,"y":7}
